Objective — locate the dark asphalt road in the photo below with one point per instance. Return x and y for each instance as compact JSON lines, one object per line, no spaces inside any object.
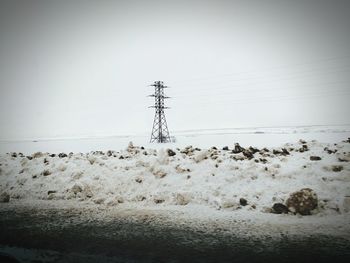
{"x":124,"y":241}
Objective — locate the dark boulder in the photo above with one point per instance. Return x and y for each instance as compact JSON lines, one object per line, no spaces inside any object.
{"x":302,"y":202}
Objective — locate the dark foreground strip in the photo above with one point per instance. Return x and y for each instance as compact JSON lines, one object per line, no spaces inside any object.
{"x":121,"y":241}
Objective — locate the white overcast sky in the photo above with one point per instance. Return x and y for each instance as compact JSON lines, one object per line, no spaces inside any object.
{"x":78,"y":68}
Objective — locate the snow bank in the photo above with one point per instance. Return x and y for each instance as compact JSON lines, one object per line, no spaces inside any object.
{"x":213,"y":178}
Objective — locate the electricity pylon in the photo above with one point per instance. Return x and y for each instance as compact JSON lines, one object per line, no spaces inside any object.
{"x":160,"y":132}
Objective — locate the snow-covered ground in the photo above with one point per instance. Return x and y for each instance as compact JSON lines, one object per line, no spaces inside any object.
{"x":194,"y":184}
{"x":256,"y":136}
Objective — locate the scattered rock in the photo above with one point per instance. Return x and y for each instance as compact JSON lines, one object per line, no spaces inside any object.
{"x":158,"y":200}
{"x":225,"y":148}
{"x":315,"y":158}
{"x":138,"y":180}
{"x":243,"y":202}
{"x":345,"y":157}
{"x":92,"y":159}
{"x":52,"y":155}
{"x":160,"y":174}
{"x":276,"y":152}
{"x":248,"y":154}
{"x":238,"y":157}
{"x":263,"y":160}
{"x":253,"y":150}
{"x":87,"y":192}
{"x":29,"y":157}
{"x":140,"y":198}
{"x":337,"y":168}
{"x":188,"y":150}
{"x":302,"y":202}
{"x":4,"y":197}
{"x":130,"y":147}
{"x":329,"y":151}
{"x":279,"y":208}
{"x":51,"y":192}
{"x":285,"y":152}
{"x":171,"y":152}
{"x":14,"y":155}
{"x":121,"y":157}
{"x":238,"y":148}
{"x":76,"y":189}
{"x":179,"y":169}
{"x":46,"y":173}
{"x":62,"y":155}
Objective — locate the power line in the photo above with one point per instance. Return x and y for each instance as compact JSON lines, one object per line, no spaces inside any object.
{"x":264,"y":70}
{"x":209,"y":103}
{"x":301,"y":75}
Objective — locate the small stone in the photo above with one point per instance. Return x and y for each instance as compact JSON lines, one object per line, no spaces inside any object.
{"x":51,"y":192}
{"x":243,"y":202}
{"x":158,"y":201}
{"x":76,"y":189}
{"x":315,"y":158}
{"x":253,"y":150}
{"x":248,"y":154}
{"x":337,"y":168}
{"x":160,"y":174}
{"x":4,"y":197}
{"x":238,"y":148}
{"x":138,"y":180}
{"x":285,"y":151}
{"x":46,"y":173}
{"x":279,"y":208}
{"x":171,"y":152}
{"x":225,"y":148}
{"x":62,"y":155}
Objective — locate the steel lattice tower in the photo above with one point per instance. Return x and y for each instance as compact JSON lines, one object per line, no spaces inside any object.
{"x":160,"y":132}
